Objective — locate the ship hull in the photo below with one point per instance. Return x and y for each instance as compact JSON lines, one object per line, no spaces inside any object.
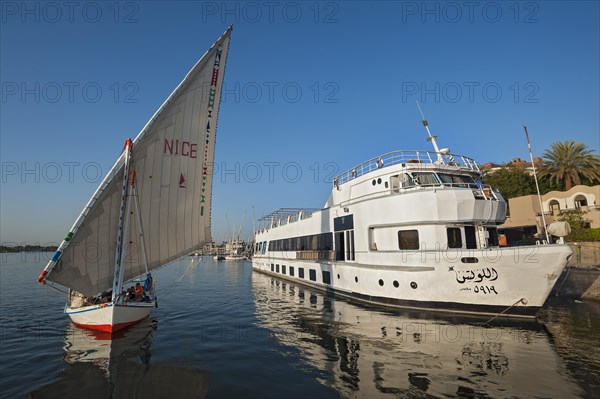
{"x":109,"y":317}
{"x":512,"y":281}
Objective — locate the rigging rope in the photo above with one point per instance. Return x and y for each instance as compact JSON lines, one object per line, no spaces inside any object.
{"x":49,"y":285}
{"x":179,"y":280}
{"x":505,"y":310}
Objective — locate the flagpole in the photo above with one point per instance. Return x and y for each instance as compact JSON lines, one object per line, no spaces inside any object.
{"x":537,"y":186}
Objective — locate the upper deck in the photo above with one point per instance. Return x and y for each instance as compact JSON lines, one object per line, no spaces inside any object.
{"x":407,"y":157}
{"x":284,"y":216}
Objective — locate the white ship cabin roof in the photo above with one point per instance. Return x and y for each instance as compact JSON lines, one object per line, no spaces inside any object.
{"x":394,"y":173}
{"x":402,"y":170}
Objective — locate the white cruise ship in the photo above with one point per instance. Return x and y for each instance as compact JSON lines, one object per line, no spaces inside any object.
{"x":413,"y":229}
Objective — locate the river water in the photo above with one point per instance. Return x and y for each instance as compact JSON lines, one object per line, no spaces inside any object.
{"x":222,"y":331}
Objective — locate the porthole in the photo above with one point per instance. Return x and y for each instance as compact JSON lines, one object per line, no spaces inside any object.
{"x":381,"y":282}
{"x":396,"y":284}
{"x":338,"y":276}
{"x":356,"y":279}
{"x":386,"y":185}
{"x":379,"y":181}
{"x":413,"y":285}
{"x":374,"y":182}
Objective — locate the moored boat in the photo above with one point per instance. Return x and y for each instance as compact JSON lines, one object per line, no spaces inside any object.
{"x":415,"y":229}
{"x":152,"y":207}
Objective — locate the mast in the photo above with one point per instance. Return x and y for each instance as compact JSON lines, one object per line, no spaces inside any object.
{"x":157,"y":182}
{"x":431,"y":137}
{"x":123,"y":230}
{"x":139,"y":220}
{"x":537,"y":186}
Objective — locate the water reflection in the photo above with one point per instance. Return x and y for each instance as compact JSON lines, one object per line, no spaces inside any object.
{"x":120,"y":366}
{"x":378,"y":353}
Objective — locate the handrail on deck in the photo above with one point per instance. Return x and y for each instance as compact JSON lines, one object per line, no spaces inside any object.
{"x":284,"y":216}
{"x":406,"y":157}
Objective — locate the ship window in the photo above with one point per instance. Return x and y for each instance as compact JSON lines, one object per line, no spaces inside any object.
{"x":470,"y":239}
{"x":406,"y":180}
{"x":454,"y":237}
{"x":272,"y":267}
{"x":277,"y":268}
{"x":326,"y":277}
{"x":456,"y":180}
{"x":283,"y":269}
{"x":408,"y":239}
{"x":425,"y":179}
{"x":292,"y":271}
{"x":312,"y":274}
{"x":301,"y":272}
{"x":493,"y":237}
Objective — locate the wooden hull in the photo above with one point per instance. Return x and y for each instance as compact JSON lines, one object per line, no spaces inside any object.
{"x":109,"y":317}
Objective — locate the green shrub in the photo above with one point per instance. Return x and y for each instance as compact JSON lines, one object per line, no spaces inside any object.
{"x":584,"y":235}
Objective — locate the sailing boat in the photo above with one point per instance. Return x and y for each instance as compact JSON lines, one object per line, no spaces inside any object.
{"x":234,"y":248}
{"x":152,"y":207}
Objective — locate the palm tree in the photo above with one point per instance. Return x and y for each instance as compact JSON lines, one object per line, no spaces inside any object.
{"x":570,"y":162}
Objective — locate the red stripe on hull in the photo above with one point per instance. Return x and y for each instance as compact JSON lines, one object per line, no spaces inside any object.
{"x":109,"y":328}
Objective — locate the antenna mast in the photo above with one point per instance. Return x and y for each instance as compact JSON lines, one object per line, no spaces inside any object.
{"x":431,"y":137}
{"x":537,"y":186}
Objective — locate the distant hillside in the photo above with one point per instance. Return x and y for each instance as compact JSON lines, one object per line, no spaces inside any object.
{"x":27,"y":248}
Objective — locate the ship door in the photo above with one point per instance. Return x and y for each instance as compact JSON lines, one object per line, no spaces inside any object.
{"x":344,"y":238}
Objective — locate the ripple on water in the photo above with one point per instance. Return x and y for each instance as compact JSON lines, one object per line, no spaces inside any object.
{"x":243,"y":334}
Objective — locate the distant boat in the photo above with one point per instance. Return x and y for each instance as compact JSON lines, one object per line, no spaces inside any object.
{"x":235,"y":248}
{"x":161,"y":181}
{"x":413,"y":229}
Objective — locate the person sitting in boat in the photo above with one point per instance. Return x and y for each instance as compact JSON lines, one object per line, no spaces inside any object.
{"x":131,"y":292}
{"x":139,"y":292}
{"x":105,"y":297}
{"x":123,"y":297}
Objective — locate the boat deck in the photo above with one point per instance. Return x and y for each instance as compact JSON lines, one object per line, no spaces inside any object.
{"x":406,"y":157}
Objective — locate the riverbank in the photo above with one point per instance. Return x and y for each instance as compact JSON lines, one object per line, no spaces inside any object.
{"x":581,"y":277}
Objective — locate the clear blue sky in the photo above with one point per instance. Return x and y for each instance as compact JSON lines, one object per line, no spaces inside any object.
{"x":77,"y":81}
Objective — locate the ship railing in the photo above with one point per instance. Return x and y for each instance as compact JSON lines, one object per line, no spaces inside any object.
{"x":284,"y":216}
{"x":406,"y":157}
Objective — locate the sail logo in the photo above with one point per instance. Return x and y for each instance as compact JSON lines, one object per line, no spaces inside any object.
{"x":181,"y":181}
{"x":183,"y":148}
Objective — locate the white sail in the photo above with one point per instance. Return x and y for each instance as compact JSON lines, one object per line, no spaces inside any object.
{"x":172,"y":158}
